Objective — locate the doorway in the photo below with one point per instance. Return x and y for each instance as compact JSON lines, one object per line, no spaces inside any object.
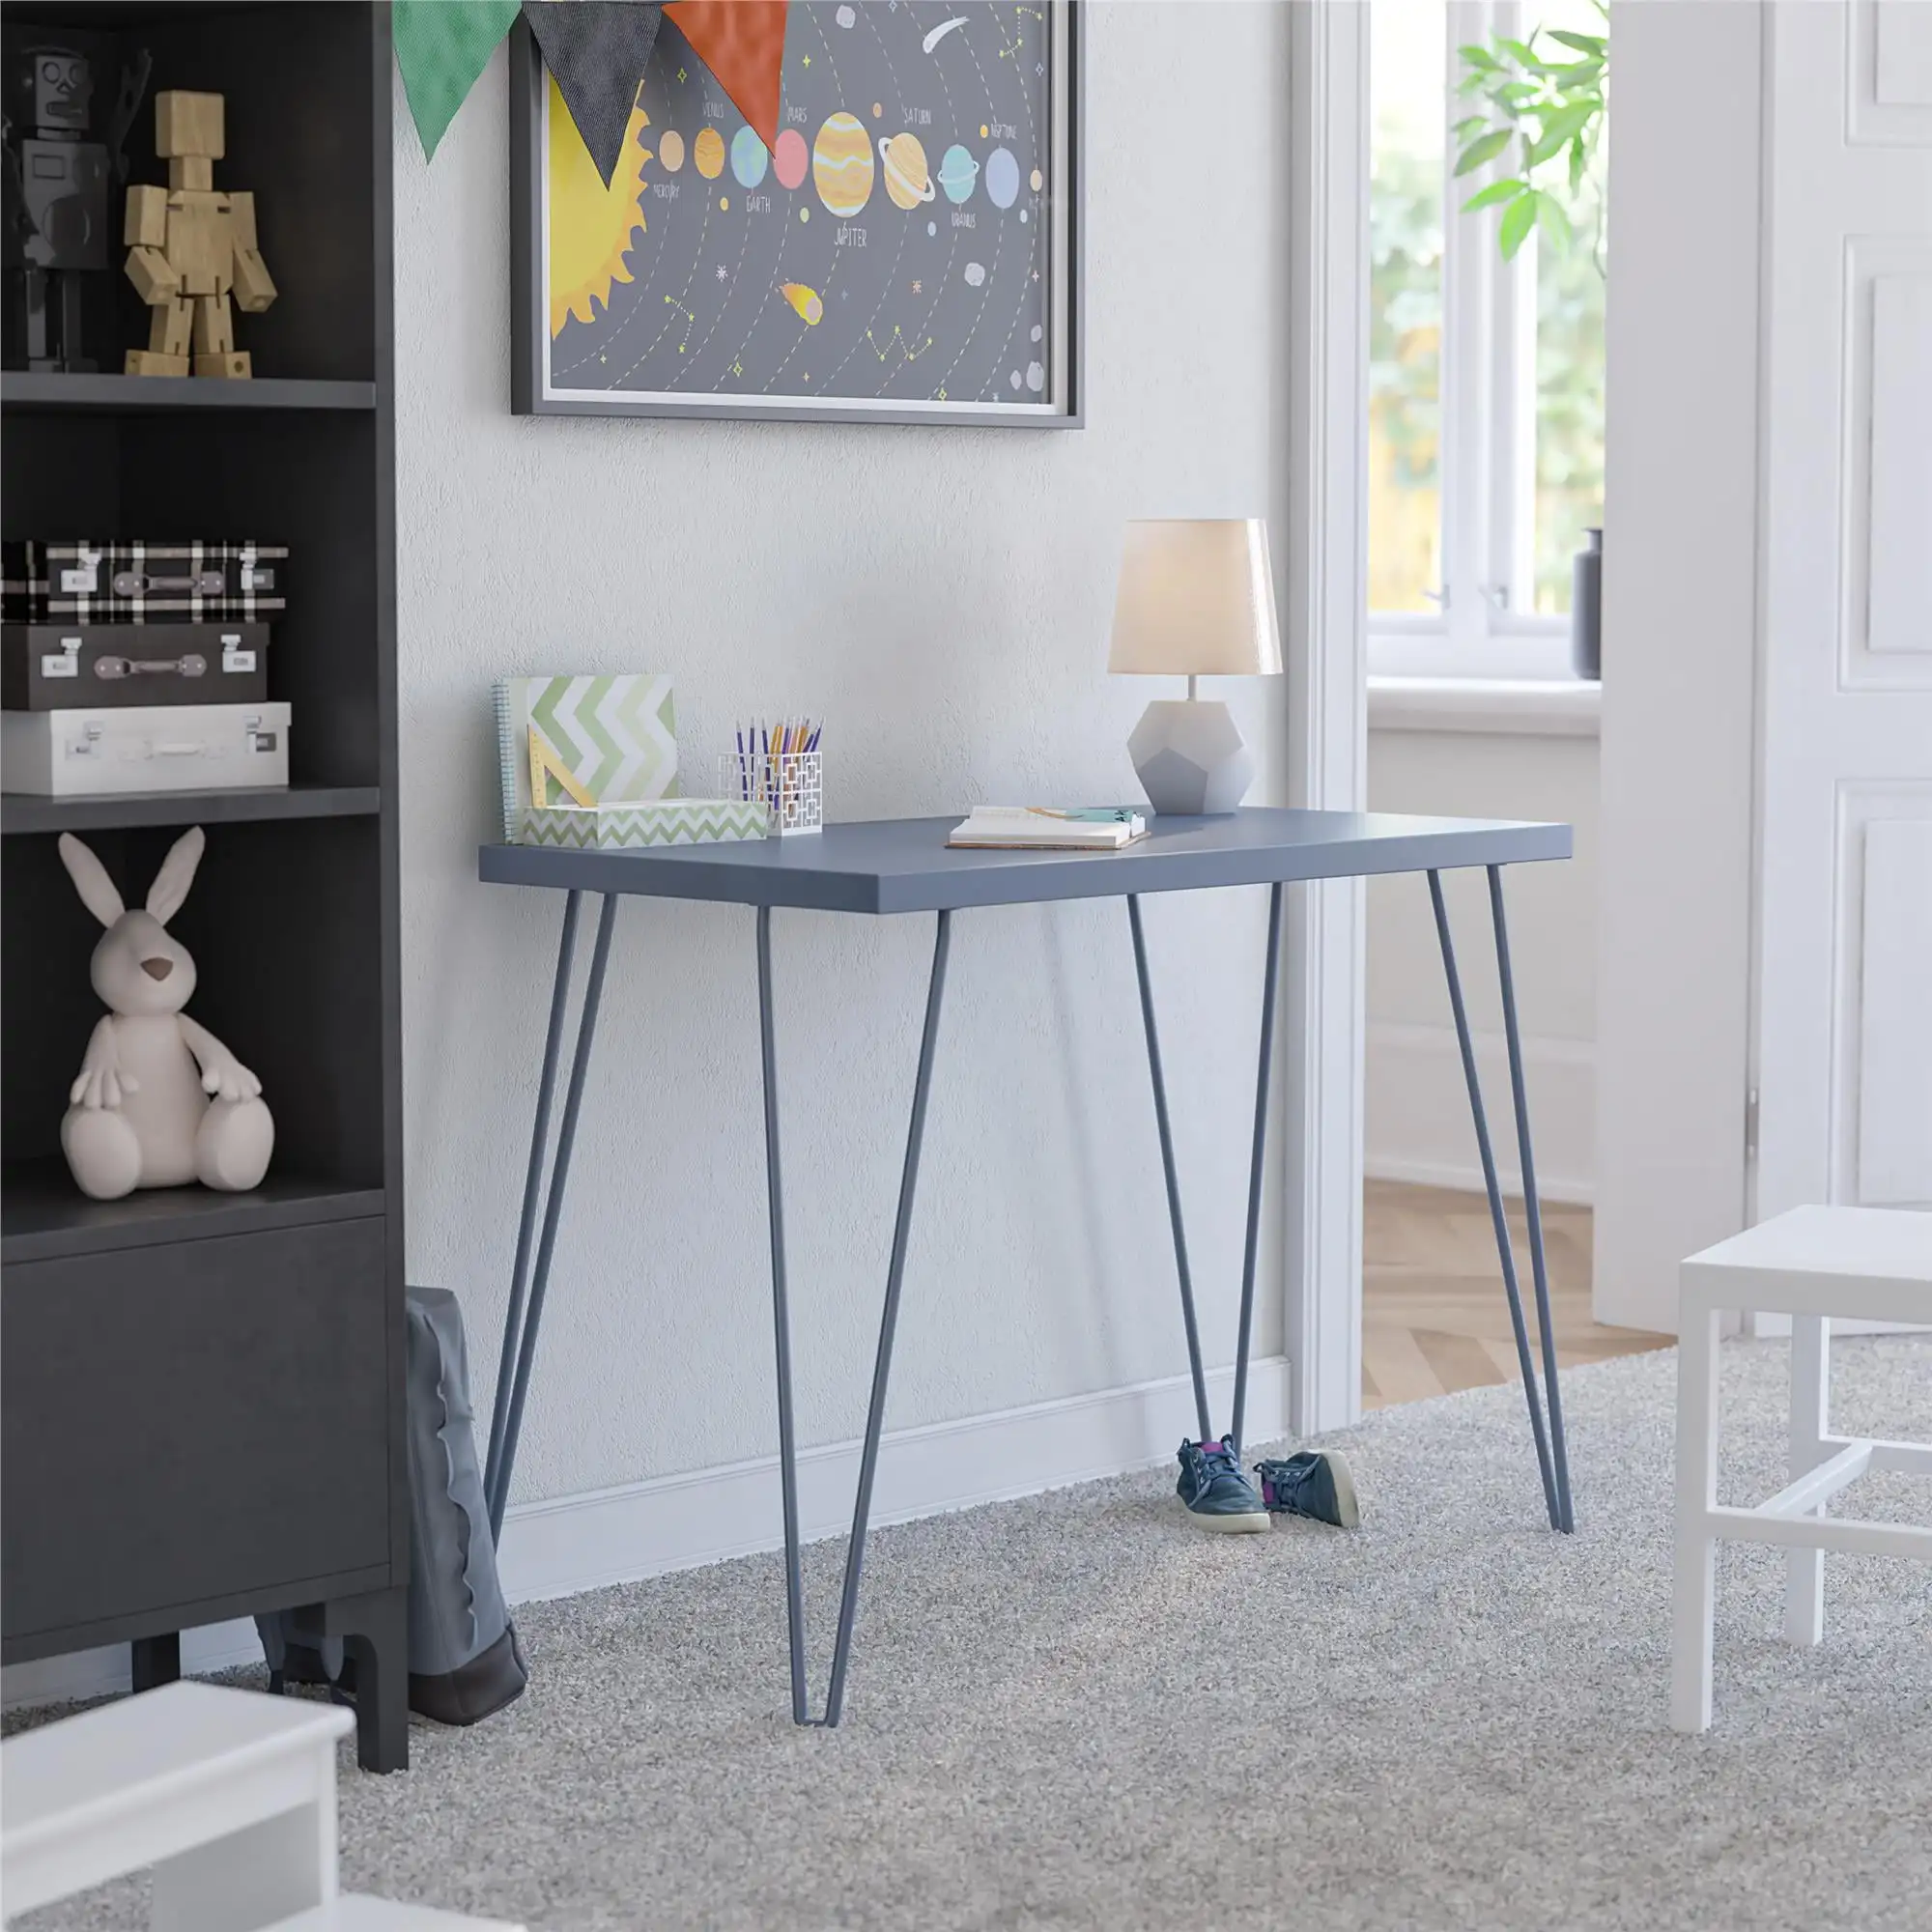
{"x":1485,"y":465}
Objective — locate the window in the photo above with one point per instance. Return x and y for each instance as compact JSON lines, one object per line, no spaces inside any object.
{"x":1486,"y":376}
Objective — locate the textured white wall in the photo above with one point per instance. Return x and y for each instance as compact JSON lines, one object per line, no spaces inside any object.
{"x":941,"y":596}
{"x":1418,"y":1109}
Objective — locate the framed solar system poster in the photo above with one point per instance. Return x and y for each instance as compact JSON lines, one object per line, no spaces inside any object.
{"x":907,"y":249}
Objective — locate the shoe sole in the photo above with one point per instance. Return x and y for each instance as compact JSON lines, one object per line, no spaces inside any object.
{"x":1230,"y":1525}
{"x":1346,"y":1505}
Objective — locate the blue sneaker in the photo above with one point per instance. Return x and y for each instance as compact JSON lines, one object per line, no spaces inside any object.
{"x":1217,"y":1495}
{"x":1315,"y":1483}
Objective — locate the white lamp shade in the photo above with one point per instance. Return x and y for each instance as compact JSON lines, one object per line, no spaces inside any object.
{"x":1196,"y":598}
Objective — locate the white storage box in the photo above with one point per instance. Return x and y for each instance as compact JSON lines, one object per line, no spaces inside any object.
{"x":144,"y":748}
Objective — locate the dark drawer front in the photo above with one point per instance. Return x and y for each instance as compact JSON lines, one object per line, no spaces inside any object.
{"x":189,"y":1420}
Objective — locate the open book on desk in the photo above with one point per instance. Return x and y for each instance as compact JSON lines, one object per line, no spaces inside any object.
{"x":1045,"y":827}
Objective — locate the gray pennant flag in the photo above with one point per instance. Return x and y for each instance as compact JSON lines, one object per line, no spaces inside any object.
{"x":597,"y":50}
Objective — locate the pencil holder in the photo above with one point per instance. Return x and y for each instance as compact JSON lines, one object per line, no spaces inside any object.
{"x":790,"y":784}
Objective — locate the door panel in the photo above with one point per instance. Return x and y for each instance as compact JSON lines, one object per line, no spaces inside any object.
{"x":1895,"y":1148}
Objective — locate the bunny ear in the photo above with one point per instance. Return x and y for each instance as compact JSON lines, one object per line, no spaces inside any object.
{"x":90,"y":879}
{"x":177,"y":875}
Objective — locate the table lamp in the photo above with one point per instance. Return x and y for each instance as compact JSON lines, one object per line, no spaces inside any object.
{"x":1196,"y":599}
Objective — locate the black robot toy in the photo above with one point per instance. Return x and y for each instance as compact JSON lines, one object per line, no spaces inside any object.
{"x":57,"y":189}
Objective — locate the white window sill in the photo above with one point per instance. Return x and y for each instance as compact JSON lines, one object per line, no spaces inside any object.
{"x":1537,"y":707}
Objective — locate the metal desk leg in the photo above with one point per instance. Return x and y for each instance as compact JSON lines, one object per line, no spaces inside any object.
{"x":1181,"y":1267}
{"x":876,"y":1415}
{"x":1270,"y":976}
{"x":1532,"y":1207}
{"x":1498,"y":1220}
{"x":513,"y":1319}
{"x":781,"y":1326}
{"x":503,"y":1438}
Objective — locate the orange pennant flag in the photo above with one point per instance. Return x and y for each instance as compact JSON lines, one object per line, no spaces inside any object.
{"x":742,"y":42}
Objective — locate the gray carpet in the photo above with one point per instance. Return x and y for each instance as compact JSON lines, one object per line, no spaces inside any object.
{"x":1075,"y":1712}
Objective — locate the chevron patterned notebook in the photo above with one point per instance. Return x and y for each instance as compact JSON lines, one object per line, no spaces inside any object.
{"x":583,"y":740}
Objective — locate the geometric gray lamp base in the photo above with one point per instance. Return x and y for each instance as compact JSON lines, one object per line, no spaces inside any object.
{"x":1190,"y":756}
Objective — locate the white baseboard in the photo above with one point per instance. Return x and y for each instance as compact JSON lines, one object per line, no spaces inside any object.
{"x":1418,"y":1127}
{"x":567,"y":1544}
{"x":576,"y":1543}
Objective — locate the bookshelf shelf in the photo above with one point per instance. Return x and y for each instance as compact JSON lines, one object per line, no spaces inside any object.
{"x":21,"y":813}
{"x":44,"y":1217}
{"x":32,"y":390}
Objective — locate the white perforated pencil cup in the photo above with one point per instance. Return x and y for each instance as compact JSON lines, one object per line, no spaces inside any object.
{"x":790,"y":784}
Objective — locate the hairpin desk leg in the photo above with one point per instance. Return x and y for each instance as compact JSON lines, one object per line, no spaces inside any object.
{"x":1500,"y":1221}
{"x":876,"y":1415}
{"x":505,"y":1457}
{"x":1270,"y":977}
{"x":1181,"y":1267}
{"x":781,"y":1327}
{"x":1532,"y":1207}
{"x":513,"y":1318}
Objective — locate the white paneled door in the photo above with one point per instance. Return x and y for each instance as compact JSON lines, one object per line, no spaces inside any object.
{"x":1843,"y":1032}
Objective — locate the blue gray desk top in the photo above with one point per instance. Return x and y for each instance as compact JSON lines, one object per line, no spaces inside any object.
{"x":903,"y":864}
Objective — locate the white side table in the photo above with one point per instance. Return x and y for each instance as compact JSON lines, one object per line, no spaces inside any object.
{"x":230,"y":1797}
{"x":1873,"y":1264}
{"x":229,"y":1794}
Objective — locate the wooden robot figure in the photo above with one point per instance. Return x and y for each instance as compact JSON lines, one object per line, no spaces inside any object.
{"x":191,"y":250}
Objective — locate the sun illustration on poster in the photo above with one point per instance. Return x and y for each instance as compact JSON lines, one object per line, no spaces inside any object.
{"x":591,"y":225}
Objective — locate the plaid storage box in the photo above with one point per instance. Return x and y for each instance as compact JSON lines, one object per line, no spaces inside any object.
{"x":105,"y":583}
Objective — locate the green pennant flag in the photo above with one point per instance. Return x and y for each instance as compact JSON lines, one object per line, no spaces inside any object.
{"x":442,"y":46}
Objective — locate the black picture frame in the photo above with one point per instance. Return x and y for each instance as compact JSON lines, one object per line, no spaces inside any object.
{"x":532,"y":392}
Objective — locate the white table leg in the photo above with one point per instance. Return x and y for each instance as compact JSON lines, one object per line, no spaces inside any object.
{"x":1810,"y":1405}
{"x":258,"y":1876}
{"x":1694,"y":1609}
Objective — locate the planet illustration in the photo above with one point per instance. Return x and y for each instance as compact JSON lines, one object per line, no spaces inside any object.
{"x":1037,"y":181}
{"x":671,"y":150}
{"x":707,"y":152}
{"x":846,"y":19}
{"x":841,"y":164}
{"x":975,"y":274}
{"x":958,"y":172}
{"x":791,"y":162}
{"x":811,"y":309}
{"x":1002,"y":176}
{"x":906,"y":179}
{"x":749,"y":158}
{"x":1035,"y":377}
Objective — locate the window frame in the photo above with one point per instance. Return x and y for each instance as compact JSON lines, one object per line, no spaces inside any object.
{"x":1487,"y":444}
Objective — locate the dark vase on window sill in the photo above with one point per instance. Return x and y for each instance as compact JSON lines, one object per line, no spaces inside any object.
{"x":1586,"y":608}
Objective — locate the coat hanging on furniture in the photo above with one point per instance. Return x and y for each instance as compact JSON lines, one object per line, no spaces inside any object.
{"x":158,"y":1101}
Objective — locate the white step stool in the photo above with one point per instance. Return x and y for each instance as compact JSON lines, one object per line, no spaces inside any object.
{"x":1864,"y":1263}
{"x":230,"y":1797}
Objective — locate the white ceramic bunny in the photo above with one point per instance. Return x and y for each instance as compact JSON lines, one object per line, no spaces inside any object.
{"x":159,"y":1100}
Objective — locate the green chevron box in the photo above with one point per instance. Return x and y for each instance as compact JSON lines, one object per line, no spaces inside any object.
{"x":666,"y":821}
{"x":584,"y":741}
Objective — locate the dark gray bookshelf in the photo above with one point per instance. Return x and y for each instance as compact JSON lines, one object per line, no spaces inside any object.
{"x":201,"y":1394}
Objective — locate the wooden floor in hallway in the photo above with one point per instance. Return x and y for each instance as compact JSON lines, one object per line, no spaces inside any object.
{"x":1435,"y":1318}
